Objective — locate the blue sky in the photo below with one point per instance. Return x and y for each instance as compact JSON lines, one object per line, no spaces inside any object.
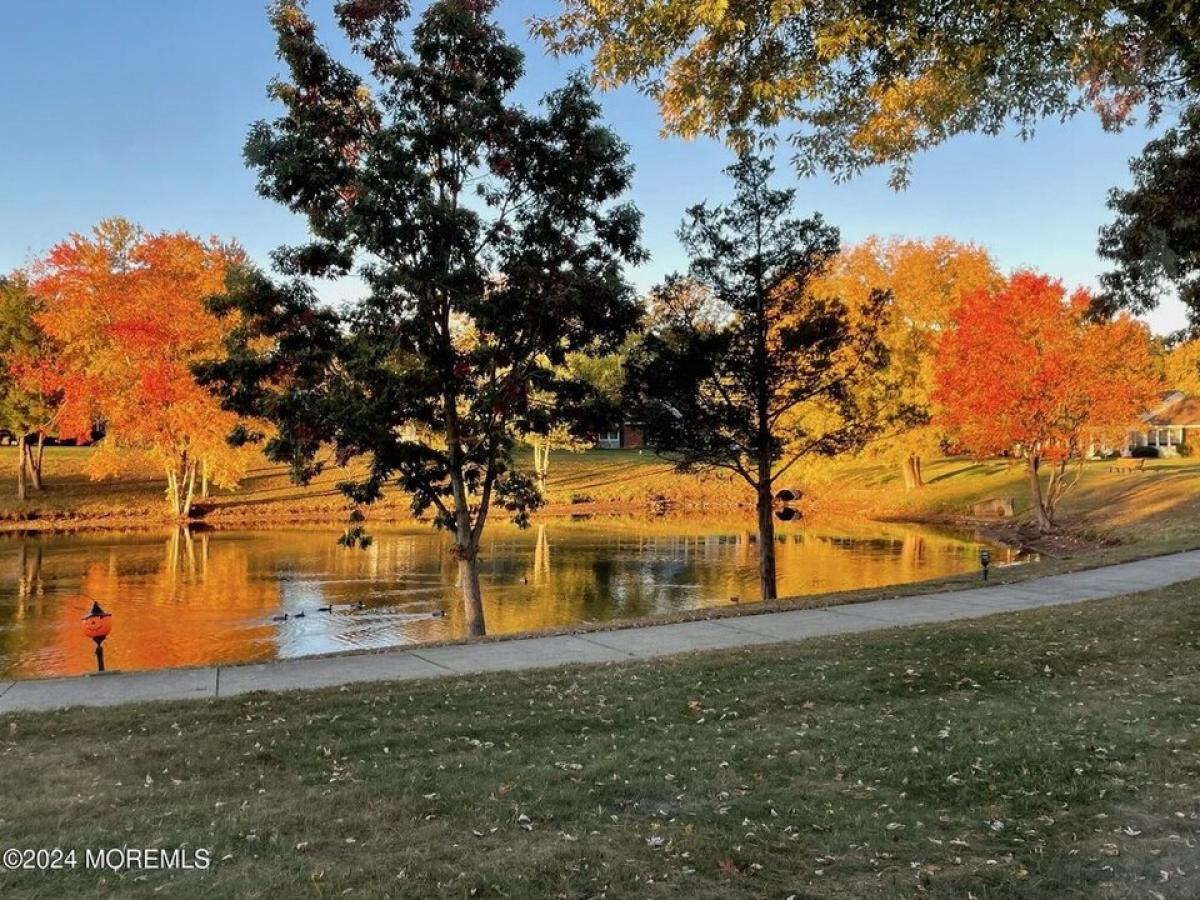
{"x":139,"y":108}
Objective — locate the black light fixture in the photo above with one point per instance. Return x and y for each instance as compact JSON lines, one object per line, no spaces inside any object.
{"x":985,"y":560}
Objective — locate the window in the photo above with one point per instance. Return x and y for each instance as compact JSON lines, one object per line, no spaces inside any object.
{"x":610,"y":440}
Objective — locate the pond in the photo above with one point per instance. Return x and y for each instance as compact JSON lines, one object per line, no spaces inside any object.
{"x":183,"y":598}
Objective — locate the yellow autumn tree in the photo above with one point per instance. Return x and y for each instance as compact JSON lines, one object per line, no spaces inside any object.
{"x":1182,"y":364}
{"x":926,"y":280}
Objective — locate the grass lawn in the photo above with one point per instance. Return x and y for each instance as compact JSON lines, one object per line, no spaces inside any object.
{"x":1041,"y":755}
{"x":1159,"y":508}
{"x":267,"y":494}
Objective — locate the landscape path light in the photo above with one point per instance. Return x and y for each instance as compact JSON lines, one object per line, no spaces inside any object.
{"x":97,"y":625}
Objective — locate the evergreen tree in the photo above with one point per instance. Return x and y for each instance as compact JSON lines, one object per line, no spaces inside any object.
{"x":747,"y":369}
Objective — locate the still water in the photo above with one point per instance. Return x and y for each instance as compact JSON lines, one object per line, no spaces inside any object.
{"x":184,"y":598}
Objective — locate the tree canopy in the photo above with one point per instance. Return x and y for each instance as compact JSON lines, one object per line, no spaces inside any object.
{"x":28,"y":398}
{"x":492,"y":243}
{"x":126,"y":310}
{"x":762,"y":372}
{"x":1154,"y":240}
{"x":869,"y":83}
{"x":925,"y":281}
{"x":1024,"y":370}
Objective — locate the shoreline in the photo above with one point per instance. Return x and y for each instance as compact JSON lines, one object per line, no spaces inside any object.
{"x":1007,"y":534}
{"x":950,"y":586}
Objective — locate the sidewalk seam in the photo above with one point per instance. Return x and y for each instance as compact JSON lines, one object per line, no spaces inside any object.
{"x":11,"y":685}
{"x":217,"y":684}
{"x":588,"y":640}
{"x":431,"y":662}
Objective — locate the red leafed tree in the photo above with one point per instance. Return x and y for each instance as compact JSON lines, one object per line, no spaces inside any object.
{"x":127,"y":312}
{"x":1022,"y":369}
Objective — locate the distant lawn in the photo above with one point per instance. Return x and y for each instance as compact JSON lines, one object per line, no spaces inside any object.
{"x":598,"y":476}
{"x":1041,"y":755}
{"x":1160,"y":505}
{"x":1158,"y":509}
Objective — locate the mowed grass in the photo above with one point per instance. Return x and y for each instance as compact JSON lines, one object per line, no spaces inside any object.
{"x":1160,"y":505}
{"x":72,"y":497}
{"x":1042,"y":755}
{"x":1158,"y":508}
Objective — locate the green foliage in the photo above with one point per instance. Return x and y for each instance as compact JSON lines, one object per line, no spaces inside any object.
{"x":24,"y":408}
{"x":1154,"y":240}
{"x":490,"y":240}
{"x":761,"y":371}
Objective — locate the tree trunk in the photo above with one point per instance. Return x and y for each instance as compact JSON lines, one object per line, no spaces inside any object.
{"x":541,"y":463}
{"x":35,"y":461}
{"x":204,"y":479}
{"x":468,"y":578}
{"x":190,"y":489}
{"x":22,"y":467}
{"x":766,"y":542}
{"x":1044,"y":523}
{"x":173,"y":491}
{"x":910,"y":467}
{"x":181,"y":487}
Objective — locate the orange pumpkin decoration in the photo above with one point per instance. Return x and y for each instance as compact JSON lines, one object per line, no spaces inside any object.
{"x":97,"y":624}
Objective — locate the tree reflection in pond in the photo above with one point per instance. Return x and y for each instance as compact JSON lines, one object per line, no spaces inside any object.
{"x":190,"y":598}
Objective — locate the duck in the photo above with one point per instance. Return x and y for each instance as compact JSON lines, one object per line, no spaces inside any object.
{"x":735,"y":599}
{"x":359,"y":605}
{"x":438,"y":614}
{"x":325,"y":608}
{"x":282,"y":618}
{"x":299,"y":615}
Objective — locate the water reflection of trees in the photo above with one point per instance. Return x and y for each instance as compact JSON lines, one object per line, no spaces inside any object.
{"x":194,"y":597}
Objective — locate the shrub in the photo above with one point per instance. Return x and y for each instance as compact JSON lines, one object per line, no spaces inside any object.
{"x":1184,"y":450}
{"x":1144,"y":452}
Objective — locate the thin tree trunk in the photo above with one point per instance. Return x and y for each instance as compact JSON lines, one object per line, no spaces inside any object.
{"x":910,"y":467}
{"x":204,"y":479}
{"x":541,"y":463}
{"x":190,"y":489}
{"x":766,"y":542}
{"x":1041,"y":514}
{"x":22,"y":467}
{"x":35,"y":461}
{"x":173,"y":491}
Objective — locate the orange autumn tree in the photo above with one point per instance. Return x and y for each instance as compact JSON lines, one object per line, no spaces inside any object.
{"x":1024,"y":370}
{"x":925,"y":280}
{"x":127,"y":311}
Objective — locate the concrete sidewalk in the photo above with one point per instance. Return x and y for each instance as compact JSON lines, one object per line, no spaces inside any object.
{"x":599,"y":647}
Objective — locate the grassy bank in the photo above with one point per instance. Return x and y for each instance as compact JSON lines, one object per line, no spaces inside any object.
{"x":1041,"y":755}
{"x":1159,"y":508}
{"x":596,"y":479}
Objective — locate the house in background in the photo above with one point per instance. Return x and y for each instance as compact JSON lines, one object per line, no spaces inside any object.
{"x":620,"y":436}
{"x":1175,"y":421}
